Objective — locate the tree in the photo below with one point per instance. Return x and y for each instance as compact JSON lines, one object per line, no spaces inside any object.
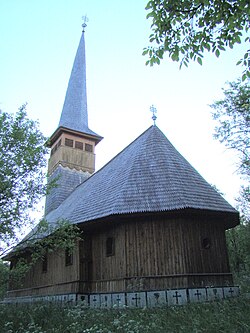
{"x":22,"y":173}
{"x":233,"y":116}
{"x":4,"y":271}
{"x":22,"y":184}
{"x":186,"y":29}
{"x":43,"y":239}
{"x":238,"y":242}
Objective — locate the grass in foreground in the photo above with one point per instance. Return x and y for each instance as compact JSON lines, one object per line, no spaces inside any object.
{"x":226,"y":316}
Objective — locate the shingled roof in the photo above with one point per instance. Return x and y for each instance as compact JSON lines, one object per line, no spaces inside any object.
{"x":74,"y":114}
{"x":149,"y":175}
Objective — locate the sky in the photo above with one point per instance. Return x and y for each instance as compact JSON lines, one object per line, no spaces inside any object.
{"x":38,"y":43}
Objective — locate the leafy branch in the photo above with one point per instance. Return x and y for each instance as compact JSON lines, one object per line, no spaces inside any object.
{"x":44,"y":239}
{"x":22,"y":171}
{"x":186,"y":29}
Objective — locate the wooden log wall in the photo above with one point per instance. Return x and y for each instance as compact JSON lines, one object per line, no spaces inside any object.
{"x":150,"y":253}
{"x":58,"y":278}
{"x":153,"y":254}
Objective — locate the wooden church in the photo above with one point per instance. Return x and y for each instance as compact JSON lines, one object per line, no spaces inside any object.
{"x":150,"y":222}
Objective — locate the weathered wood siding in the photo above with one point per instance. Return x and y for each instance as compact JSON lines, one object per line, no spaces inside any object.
{"x":58,"y":279}
{"x":212,"y":260}
{"x":85,"y":264}
{"x":160,"y":253}
{"x":150,"y":253}
{"x":108,"y":272}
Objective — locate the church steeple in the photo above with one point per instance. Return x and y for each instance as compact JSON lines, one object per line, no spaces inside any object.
{"x":73,"y":144}
{"x":74,"y":114}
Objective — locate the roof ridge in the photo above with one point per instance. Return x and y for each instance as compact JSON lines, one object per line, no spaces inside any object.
{"x":143,"y":146}
{"x":127,"y":147}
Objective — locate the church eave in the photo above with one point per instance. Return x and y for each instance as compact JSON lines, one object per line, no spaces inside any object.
{"x":95,"y":137}
{"x":229,"y":219}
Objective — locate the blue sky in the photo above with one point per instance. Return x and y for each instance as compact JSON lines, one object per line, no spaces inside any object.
{"x":38,"y":42}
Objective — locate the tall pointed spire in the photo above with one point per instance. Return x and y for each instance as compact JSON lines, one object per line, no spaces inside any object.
{"x":74,"y":114}
{"x":73,"y":144}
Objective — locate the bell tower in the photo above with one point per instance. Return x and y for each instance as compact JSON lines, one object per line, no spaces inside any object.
{"x":72,"y":158}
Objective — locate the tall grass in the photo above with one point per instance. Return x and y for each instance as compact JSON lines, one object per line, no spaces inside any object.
{"x":225,"y":316}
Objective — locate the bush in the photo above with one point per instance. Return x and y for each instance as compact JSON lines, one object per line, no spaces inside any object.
{"x":225,"y":316}
{"x":4,"y":273}
{"x":238,"y":242}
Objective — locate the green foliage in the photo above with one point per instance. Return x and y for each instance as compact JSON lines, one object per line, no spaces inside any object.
{"x":227,"y":316}
{"x":50,"y":238}
{"x":233,"y":116}
{"x":243,"y":202}
{"x":4,"y":271}
{"x":42,"y":240}
{"x":238,"y":242}
{"x":22,"y":162}
{"x":187,"y":29}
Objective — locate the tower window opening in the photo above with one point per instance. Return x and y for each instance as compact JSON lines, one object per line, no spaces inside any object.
{"x":58,"y":143}
{"x":88,"y":147}
{"x":56,"y":146}
{"x":69,"y":142}
{"x":79,"y":145}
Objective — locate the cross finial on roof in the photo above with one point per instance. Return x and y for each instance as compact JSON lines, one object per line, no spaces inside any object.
{"x":85,"y":21}
{"x":154,"y":111}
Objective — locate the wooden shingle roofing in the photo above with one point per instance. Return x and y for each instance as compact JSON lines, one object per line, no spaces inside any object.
{"x":149,"y":175}
{"x":74,"y":114}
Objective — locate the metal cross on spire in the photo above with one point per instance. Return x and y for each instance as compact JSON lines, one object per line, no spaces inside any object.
{"x":85,"y":21}
{"x":154,"y":111}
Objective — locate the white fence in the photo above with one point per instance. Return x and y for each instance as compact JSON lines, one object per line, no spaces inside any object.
{"x":138,"y":299}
